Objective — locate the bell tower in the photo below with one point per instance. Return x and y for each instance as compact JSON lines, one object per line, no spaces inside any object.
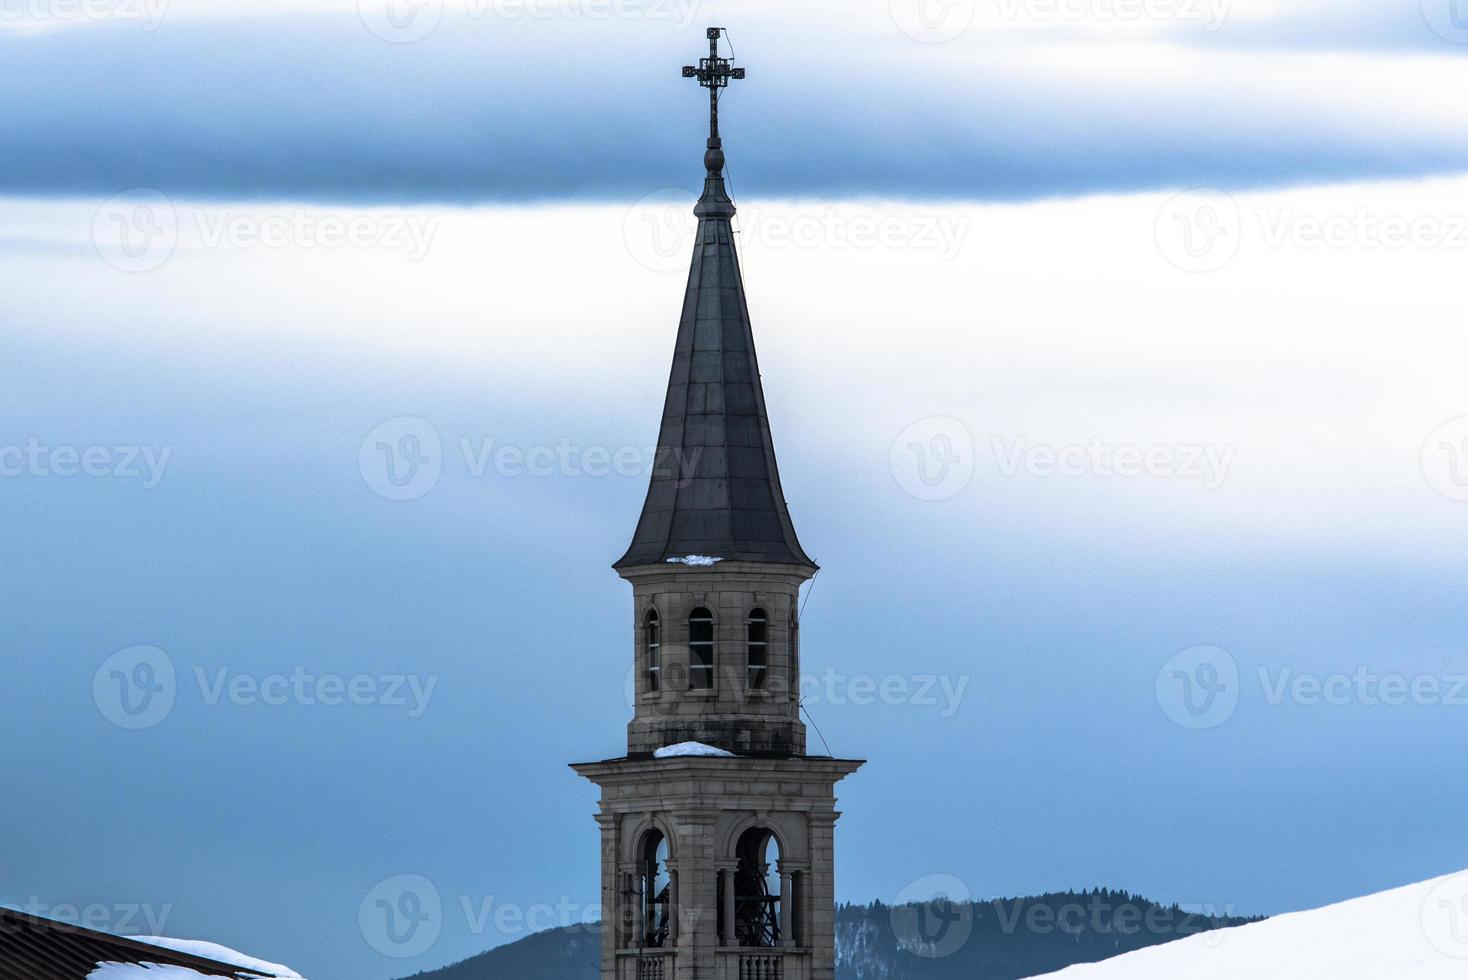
{"x":717,"y":828}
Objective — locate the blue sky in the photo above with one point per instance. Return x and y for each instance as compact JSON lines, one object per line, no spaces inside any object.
{"x":218,"y":99}
{"x":977,"y":254}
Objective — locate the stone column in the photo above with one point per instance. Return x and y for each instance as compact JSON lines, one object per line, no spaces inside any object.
{"x":674,"y":909}
{"x":797,"y":907}
{"x":611,"y":936}
{"x":639,"y":914}
{"x":787,"y":907}
{"x":731,"y":935}
{"x":621,"y":923}
{"x":806,"y":908}
{"x":821,"y":926}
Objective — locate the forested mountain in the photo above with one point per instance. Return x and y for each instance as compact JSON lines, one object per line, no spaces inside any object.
{"x":1003,"y":939}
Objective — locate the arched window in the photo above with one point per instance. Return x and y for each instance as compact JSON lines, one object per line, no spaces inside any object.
{"x":652,"y":650}
{"x":757,"y":899}
{"x":759,"y":649}
{"x":701,"y":650}
{"x":654,"y":888}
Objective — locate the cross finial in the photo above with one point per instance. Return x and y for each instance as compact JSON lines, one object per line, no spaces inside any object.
{"x":714,"y":73}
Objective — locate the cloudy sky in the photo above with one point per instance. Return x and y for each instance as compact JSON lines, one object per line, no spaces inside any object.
{"x":1115,"y":362}
{"x":513,"y":100}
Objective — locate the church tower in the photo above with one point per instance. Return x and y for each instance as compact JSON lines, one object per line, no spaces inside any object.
{"x":717,"y":829}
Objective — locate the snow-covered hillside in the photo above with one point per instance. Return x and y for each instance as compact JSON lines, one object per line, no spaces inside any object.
{"x":1415,"y":933}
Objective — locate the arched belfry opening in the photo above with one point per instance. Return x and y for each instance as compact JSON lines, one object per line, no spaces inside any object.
{"x":717,"y":829}
{"x":701,"y":650}
{"x":757,"y":899}
{"x":655,"y":888}
{"x":758,"y":649}
{"x":652,"y":650}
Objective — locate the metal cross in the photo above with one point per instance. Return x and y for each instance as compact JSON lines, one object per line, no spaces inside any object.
{"x":713,"y":73}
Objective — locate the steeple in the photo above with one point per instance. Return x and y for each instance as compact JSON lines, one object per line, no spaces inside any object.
{"x":715,"y":489}
{"x":717,"y":830}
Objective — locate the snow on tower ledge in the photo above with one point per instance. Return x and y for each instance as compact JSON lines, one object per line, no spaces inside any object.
{"x":691,"y":750}
{"x":1419,"y":932}
{"x":695,"y":561}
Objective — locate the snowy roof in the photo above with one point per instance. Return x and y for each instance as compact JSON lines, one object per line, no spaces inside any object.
{"x":221,"y":954}
{"x":32,"y":946}
{"x":151,"y":971}
{"x":142,"y":971}
{"x":685,"y":750}
{"x":1411,"y":933}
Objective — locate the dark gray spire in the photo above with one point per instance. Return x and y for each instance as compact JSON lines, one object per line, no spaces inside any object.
{"x":715,"y":487}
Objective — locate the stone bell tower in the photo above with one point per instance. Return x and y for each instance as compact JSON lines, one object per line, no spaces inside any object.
{"x":717,"y":830}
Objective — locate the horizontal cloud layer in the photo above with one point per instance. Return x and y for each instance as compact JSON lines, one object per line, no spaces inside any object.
{"x":506,"y":101}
